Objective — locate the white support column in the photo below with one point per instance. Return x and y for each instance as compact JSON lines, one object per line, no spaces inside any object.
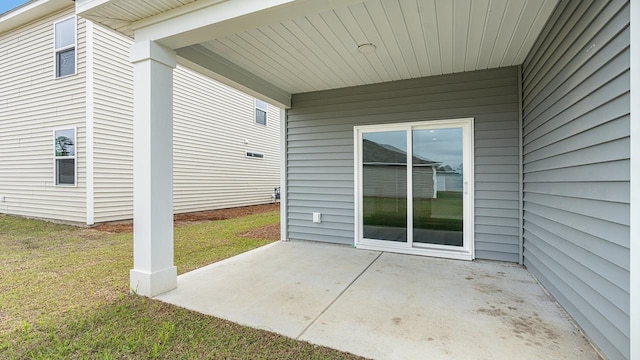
{"x":153,"y":271}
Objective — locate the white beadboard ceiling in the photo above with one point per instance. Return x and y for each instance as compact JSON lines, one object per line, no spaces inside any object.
{"x":413,"y":38}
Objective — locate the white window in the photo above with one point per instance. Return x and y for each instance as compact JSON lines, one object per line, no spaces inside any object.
{"x":64,"y":142}
{"x":65,"y":47}
{"x":261,"y":112}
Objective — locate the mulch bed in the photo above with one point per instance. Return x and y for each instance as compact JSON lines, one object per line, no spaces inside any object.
{"x":266,"y":232}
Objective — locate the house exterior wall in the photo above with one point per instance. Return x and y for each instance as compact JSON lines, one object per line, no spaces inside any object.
{"x":32,"y":104}
{"x":576,"y":105}
{"x":320,"y":151}
{"x":113,"y":126}
{"x":635,"y":181}
{"x":211,"y":124}
{"x":214,"y":127}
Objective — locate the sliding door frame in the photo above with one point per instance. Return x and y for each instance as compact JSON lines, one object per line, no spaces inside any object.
{"x":467,"y":251}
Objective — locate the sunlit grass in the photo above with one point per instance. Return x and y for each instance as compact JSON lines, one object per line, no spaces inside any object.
{"x":64,"y":294}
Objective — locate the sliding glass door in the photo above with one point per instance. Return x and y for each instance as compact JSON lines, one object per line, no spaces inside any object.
{"x":438,"y":186}
{"x":384,"y":185}
{"x":413,"y":188}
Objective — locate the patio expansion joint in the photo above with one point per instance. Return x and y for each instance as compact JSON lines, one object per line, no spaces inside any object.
{"x":338,"y":297}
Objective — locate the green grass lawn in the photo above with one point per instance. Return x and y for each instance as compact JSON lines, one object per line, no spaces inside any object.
{"x":64,"y":295}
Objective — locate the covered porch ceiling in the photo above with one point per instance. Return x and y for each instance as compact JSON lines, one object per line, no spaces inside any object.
{"x":274,"y":48}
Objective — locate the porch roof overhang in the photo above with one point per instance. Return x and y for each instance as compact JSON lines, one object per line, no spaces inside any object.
{"x":272,"y":49}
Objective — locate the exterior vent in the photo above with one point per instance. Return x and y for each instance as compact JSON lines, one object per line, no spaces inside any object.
{"x":254,"y":155}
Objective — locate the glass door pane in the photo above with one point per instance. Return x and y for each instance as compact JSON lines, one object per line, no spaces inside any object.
{"x":438,"y":186}
{"x":384,"y":185}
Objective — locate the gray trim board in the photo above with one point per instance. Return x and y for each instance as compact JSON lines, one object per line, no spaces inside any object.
{"x":520,"y":172}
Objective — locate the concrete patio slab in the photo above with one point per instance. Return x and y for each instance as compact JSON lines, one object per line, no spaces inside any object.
{"x":411,"y":307}
{"x":386,"y":306}
{"x":281,"y":287}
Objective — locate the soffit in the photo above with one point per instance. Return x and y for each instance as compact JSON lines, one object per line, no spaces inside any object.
{"x":121,"y":14}
{"x":412,"y":39}
{"x":319,"y":50}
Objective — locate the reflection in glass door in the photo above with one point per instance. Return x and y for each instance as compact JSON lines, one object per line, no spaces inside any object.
{"x":413,"y":189}
{"x":384,"y":185}
{"x":437,"y":186}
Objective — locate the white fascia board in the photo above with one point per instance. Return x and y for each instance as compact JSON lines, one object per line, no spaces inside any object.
{"x":29,"y":12}
{"x":180,"y":28}
{"x":84,"y":6}
{"x":226,"y":72}
{"x":177,"y":29}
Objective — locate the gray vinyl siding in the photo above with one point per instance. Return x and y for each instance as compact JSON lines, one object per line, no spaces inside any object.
{"x":576,"y":166}
{"x":382,"y":181}
{"x":32,"y":104}
{"x":320,"y":149}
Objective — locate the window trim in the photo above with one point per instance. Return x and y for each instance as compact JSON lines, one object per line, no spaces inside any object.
{"x":467,"y":251}
{"x":74,"y":157}
{"x":65,"y":48}
{"x":266,"y":112}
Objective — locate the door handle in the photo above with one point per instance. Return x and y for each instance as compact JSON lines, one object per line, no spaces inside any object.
{"x":466,"y":187}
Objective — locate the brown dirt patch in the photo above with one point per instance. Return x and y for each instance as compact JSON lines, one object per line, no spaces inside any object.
{"x":210,"y":215}
{"x":271,"y":232}
{"x":119,"y":227}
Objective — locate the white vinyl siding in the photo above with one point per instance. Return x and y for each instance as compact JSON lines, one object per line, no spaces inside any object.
{"x":382,"y":181}
{"x":32,"y":104}
{"x":214,"y":128}
{"x":113,"y":126}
